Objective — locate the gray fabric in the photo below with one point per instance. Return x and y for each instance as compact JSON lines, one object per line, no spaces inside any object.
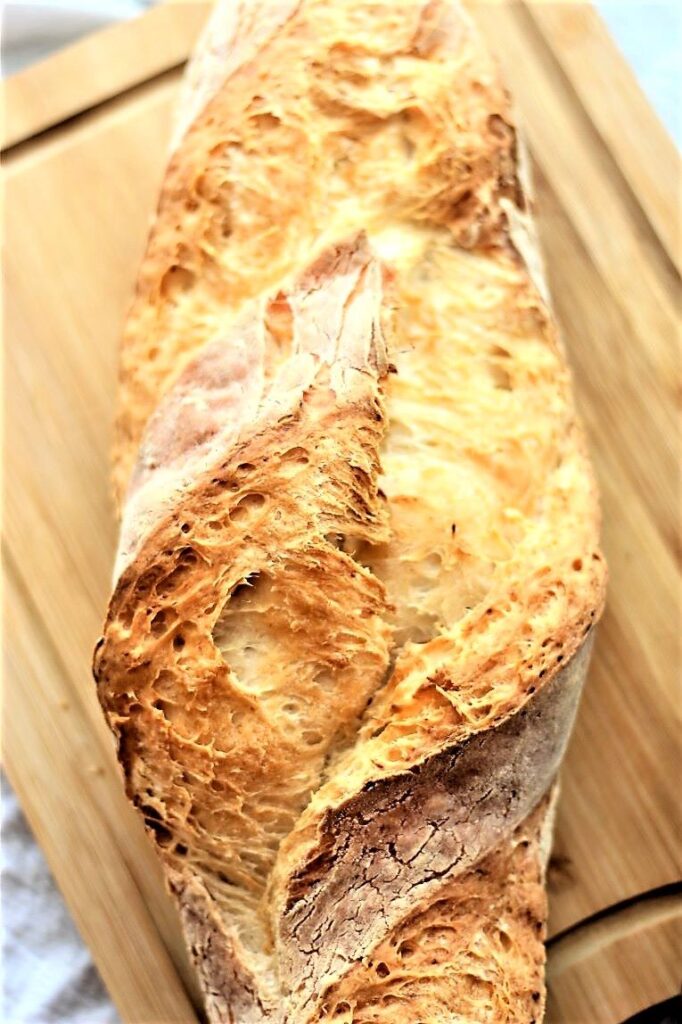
{"x":48,"y":976}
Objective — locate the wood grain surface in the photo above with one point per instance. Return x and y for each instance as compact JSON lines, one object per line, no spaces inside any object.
{"x":96,"y":68}
{"x":78,"y":199}
{"x":608,"y":969}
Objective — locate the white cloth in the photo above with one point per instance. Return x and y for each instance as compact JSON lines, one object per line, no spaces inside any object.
{"x":48,"y":977}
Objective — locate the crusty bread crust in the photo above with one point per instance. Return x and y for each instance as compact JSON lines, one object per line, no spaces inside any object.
{"x":358,"y":571}
{"x":474,"y":953}
{"x":412,"y":833}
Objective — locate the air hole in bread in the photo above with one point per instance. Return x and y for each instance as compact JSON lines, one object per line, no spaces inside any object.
{"x":479,"y":986}
{"x":241,"y":632}
{"x":297,"y":454}
{"x":500,"y":377}
{"x":243,"y":589}
{"x":176,"y":281}
{"x":170,"y":712}
{"x":499,"y":127}
{"x":166,"y":684}
{"x":246,"y":508}
{"x":213,"y":184}
{"x":223,"y":225}
{"x":263,"y":122}
{"x":159,"y":623}
{"x":325,"y":680}
{"x":354,"y":546}
{"x":154,"y":822}
{"x":170,"y":582}
{"x":293,"y":461}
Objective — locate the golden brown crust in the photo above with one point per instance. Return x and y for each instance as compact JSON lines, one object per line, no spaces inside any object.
{"x":359,"y":565}
{"x":237,"y":215}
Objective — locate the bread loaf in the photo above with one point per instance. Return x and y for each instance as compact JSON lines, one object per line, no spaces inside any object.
{"x":358,"y":570}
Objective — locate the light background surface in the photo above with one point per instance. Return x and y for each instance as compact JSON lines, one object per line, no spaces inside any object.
{"x":48,"y":977}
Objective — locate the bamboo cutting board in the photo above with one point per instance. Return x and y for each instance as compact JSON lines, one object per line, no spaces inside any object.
{"x":85,"y":135}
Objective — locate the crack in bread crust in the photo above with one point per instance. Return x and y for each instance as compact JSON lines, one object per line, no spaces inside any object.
{"x":477,"y":945}
{"x":401,"y":838}
{"x":358,"y":571}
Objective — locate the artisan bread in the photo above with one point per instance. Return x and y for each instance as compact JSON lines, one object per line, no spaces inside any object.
{"x":358,"y":571}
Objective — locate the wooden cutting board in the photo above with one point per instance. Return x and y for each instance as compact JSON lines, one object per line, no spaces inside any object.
{"x":85,"y":136}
